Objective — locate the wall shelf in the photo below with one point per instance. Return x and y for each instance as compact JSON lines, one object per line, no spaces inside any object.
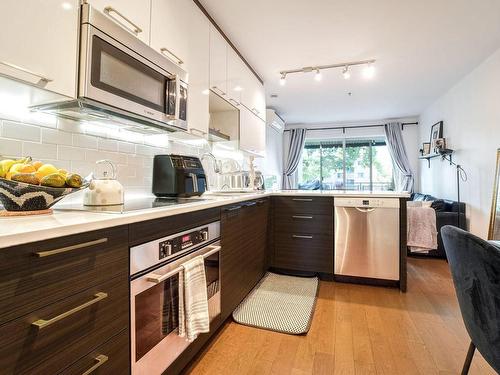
{"x":442,"y":154}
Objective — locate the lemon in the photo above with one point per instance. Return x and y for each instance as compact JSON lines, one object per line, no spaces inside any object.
{"x":45,"y":170}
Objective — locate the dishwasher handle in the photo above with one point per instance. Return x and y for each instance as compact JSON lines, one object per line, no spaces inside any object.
{"x":365,"y":210}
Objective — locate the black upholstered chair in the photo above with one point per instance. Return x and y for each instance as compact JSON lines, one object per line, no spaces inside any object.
{"x":475,"y":267}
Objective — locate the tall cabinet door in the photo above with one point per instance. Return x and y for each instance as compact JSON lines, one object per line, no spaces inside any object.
{"x":35,"y":38}
{"x":233,"y":259}
{"x":252,"y":132}
{"x":133,"y":15}
{"x":218,"y":62}
{"x":180,"y":31}
{"x":169,"y":29}
{"x":198,"y":40}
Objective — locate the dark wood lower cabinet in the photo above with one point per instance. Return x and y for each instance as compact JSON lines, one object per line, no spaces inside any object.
{"x":303,"y":234}
{"x":54,"y":337}
{"x":243,"y":256}
{"x":111,"y":358}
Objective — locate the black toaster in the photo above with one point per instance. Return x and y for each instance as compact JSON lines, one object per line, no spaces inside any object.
{"x":178,"y":176}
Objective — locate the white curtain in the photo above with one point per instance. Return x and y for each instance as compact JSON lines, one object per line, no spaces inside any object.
{"x":294,"y":145}
{"x":403,"y":175}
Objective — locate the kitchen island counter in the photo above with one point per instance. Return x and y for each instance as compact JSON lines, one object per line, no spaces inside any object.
{"x":20,"y":230}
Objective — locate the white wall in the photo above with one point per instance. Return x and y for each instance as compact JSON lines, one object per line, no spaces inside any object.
{"x":471,"y":114}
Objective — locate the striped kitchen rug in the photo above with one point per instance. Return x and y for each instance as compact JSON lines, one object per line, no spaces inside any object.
{"x":280,"y":303}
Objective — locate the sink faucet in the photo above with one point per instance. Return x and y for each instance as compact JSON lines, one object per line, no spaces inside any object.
{"x":209,"y":154}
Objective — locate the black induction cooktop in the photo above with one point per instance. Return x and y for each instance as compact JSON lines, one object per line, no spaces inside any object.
{"x":131,"y":205}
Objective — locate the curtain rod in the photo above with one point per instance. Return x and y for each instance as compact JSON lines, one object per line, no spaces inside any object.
{"x":403,"y":124}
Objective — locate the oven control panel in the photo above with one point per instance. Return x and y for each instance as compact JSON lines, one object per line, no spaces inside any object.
{"x":182,"y":242}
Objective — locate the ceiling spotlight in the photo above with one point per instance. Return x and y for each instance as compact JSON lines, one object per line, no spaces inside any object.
{"x":317,"y":76}
{"x":238,"y":88}
{"x":283,"y":79}
{"x":369,"y":71}
{"x":346,"y":73}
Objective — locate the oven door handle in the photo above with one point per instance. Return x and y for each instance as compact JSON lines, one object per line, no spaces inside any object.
{"x":157,"y":279}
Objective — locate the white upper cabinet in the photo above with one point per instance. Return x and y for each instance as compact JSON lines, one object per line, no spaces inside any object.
{"x":236,"y":71}
{"x":254,"y":95}
{"x":252,"y":133}
{"x":133,"y":15}
{"x":198,"y":71}
{"x":181,"y":32}
{"x":170,"y":28}
{"x":218,"y":62}
{"x":39,"y":43}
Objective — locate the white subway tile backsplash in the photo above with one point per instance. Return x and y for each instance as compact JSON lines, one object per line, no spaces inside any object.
{"x":70,"y":126}
{"x":107,"y":144}
{"x":56,"y":137}
{"x":85,"y":141}
{"x":10,"y":148}
{"x":70,"y":153}
{"x":39,"y":150}
{"x":115,"y":157}
{"x":135,"y":160}
{"x":70,"y":145}
{"x":126,"y":147}
{"x":20,"y":131}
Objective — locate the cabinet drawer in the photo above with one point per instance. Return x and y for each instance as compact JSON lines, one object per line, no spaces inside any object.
{"x":303,"y":205}
{"x":65,"y":331}
{"x":308,"y":223}
{"x":304,"y":252}
{"x":110,"y":358}
{"x":37,"y":274}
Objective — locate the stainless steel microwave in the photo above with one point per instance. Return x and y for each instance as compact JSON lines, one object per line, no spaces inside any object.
{"x":123,"y":79}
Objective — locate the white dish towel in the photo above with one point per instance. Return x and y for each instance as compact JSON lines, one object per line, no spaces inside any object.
{"x":193,"y":301}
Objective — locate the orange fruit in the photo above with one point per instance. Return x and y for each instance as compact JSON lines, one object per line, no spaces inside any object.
{"x":37,"y":165}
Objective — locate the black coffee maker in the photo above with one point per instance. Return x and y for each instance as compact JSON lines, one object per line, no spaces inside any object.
{"x":178,"y":176}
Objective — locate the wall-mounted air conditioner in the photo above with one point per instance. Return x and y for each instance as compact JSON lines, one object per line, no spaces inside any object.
{"x":274,"y":120}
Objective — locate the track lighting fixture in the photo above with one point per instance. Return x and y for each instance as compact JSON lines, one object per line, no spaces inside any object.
{"x":346,"y":73}
{"x":368,"y":71}
{"x":283,"y":79}
{"x":317,"y":75}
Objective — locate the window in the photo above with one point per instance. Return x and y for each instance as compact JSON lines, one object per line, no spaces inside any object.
{"x":346,"y":164}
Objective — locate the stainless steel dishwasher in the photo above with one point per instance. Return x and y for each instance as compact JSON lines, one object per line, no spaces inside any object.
{"x":367,"y":237}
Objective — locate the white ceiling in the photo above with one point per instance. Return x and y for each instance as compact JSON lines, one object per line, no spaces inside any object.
{"x":422,"y":48}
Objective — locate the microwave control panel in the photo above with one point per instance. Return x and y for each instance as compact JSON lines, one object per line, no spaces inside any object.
{"x":180,"y":243}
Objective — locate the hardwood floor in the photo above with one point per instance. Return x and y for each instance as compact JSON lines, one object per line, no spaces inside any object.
{"x":358,"y":330}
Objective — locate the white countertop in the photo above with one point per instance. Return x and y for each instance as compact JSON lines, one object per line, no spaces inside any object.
{"x":21,"y":230}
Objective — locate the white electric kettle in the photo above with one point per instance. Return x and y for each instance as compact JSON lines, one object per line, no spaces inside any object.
{"x":105,"y":190}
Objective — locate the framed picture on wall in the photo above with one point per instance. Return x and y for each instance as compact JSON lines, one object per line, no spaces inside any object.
{"x":436,"y":133}
{"x":426,"y":148}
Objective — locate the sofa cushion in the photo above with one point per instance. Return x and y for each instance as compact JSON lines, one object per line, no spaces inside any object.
{"x":439,"y":205}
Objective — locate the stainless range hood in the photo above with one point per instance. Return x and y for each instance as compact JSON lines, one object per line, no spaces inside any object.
{"x":90,"y":111}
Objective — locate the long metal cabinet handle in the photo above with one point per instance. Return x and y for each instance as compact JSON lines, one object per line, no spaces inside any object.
{"x":215,"y":88}
{"x":165,"y":51}
{"x":230,"y":209}
{"x":302,"y":217}
{"x":100,"y":360}
{"x":42,"y":323}
{"x":157,"y":279}
{"x":194,"y":130}
{"x":302,"y":236}
{"x":135,"y":29}
{"x":302,"y":199}
{"x":47,"y":253}
{"x":236,"y":103}
{"x":24,"y":70}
